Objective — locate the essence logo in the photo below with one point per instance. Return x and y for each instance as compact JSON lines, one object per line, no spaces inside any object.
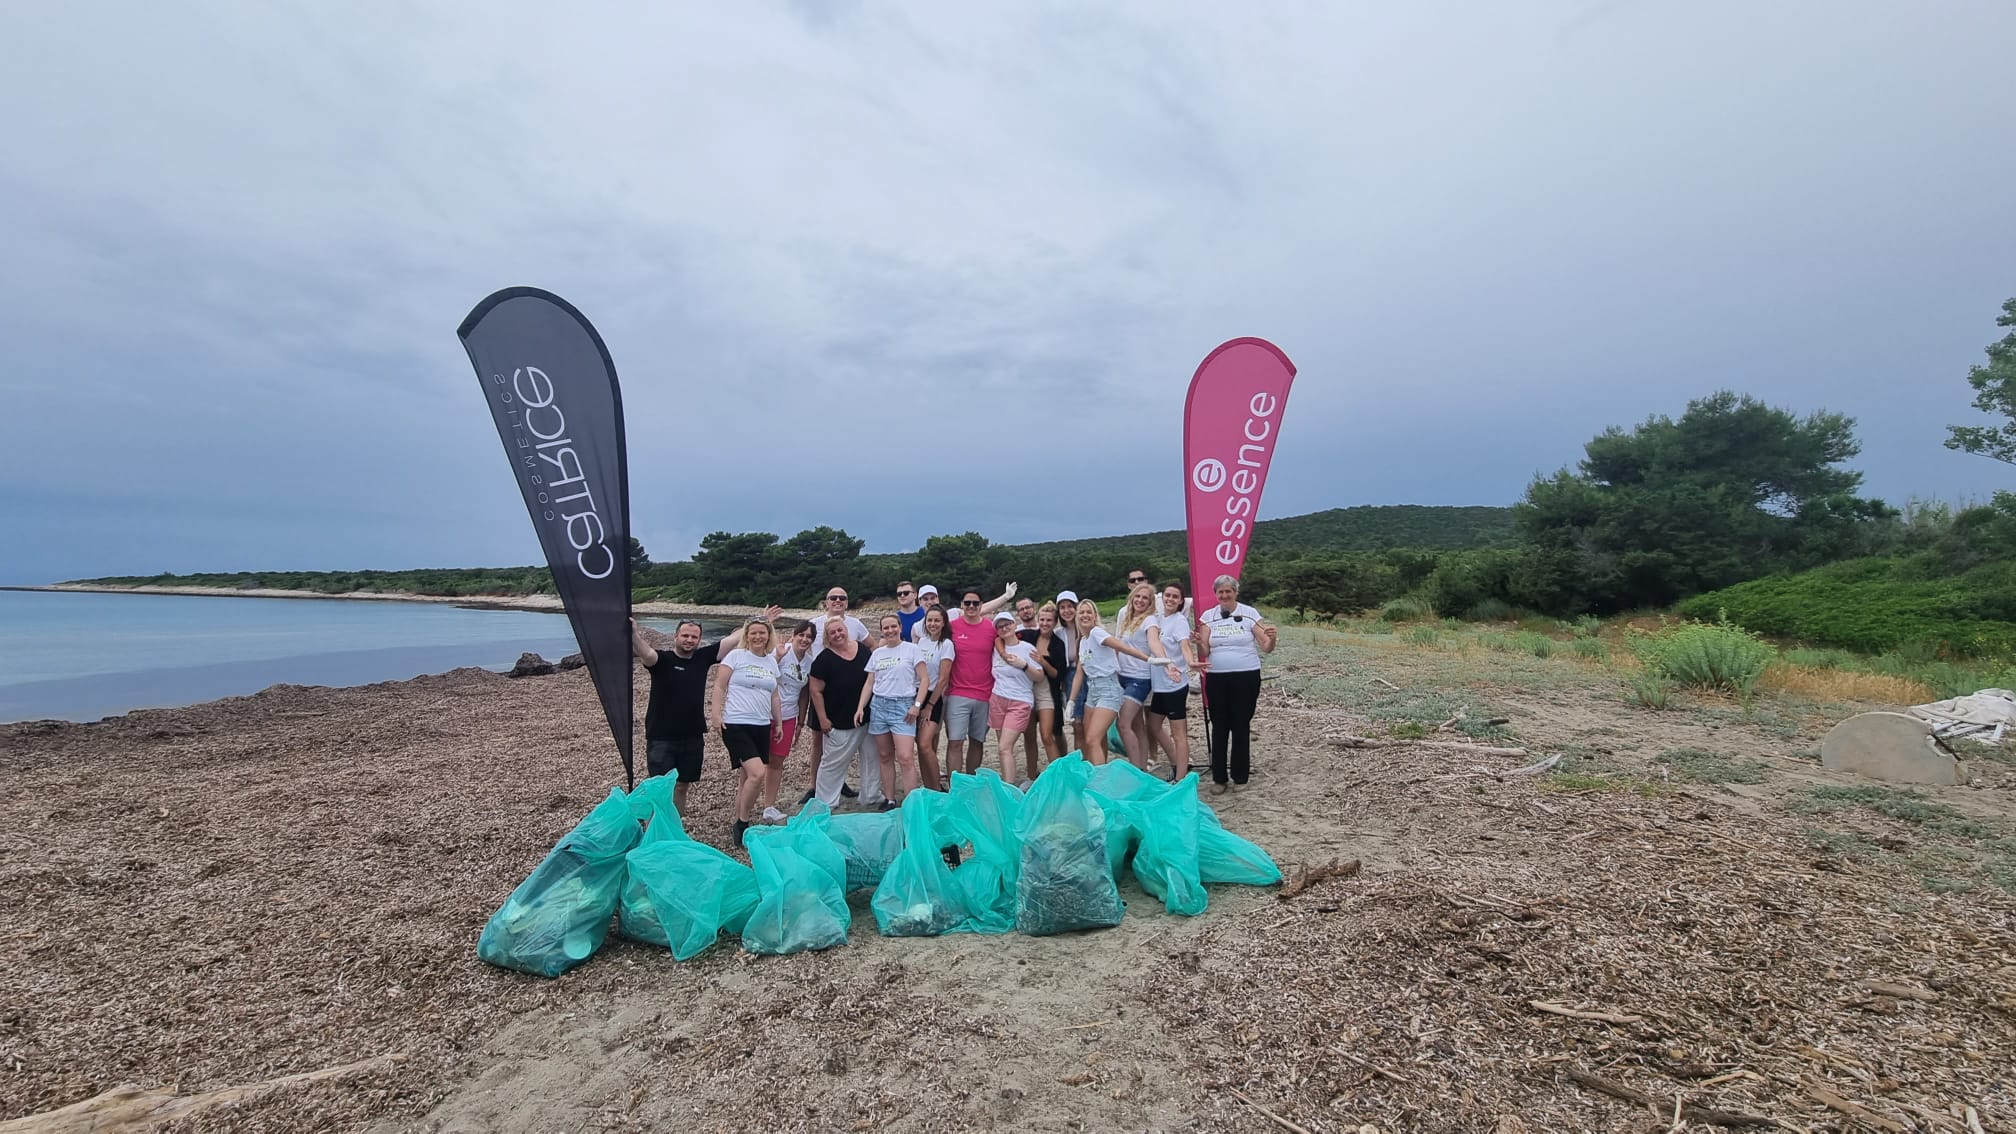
{"x":1255,"y":451}
{"x":1209,"y":475}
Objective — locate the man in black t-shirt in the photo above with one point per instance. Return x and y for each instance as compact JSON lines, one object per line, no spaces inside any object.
{"x":675,"y":720}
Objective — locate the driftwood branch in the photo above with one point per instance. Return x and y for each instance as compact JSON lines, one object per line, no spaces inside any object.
{"x":1278,"y":1120}
{"x":1554,"y":1009}
{"x":1373,"y":1067}
{"x":1854,"y":1110}
{"x":1310,"y":875}
{"x":128,"y":1107}
{"x":1689,"y":1111}
{"x":1396,"y":742}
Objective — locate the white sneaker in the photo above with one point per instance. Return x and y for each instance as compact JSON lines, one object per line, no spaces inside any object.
{"x":772,"y":815}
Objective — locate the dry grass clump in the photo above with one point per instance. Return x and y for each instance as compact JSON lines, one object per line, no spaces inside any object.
{"x":1826,"y":684}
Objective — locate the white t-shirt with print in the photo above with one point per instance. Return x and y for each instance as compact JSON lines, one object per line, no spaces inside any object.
{"x":894,"y":670}
{"x":1138,"y":638}
{"x":1095,"y":657}
{"x":1231,"y":636}
{"x":793,"y":675}
{"x":936,"y":654}
{"x":1175,"y":629}
{"x":752,"y":680}
{"x":1012,"y":683}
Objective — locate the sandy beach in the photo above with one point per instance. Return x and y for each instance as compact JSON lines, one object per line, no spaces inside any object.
{"x":257,"y":887}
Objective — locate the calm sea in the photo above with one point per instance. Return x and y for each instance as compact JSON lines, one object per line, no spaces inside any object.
{"x":80,"y":657}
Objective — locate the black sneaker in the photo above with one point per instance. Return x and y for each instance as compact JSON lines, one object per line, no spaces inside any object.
{"x":848,"y":792}
{"x":807,"y":797}
{"x":740,"y":826}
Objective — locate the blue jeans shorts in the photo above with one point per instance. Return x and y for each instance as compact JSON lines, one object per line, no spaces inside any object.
{"x":1102,"y":691}
{"x":1136,"y":689}
{"x":885,"y":715}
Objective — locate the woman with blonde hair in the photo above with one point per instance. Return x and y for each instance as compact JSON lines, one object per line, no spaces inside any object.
{"x":749,"y":715}
{"x":893,"y":699}
{"x":1099,"y":655}
{"x":1140,"y":627}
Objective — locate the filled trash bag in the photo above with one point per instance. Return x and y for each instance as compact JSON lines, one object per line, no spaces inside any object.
{"x":559,"y":915}
{"x":1116,"y":745}
{"x":1225,"y":857}
{"x":800,"y":878}
{"x":683,"y":894}
{"x":1165,"y":854}
{"x":983,"y":813}
{"x":869,"y":841}
{"x":1065,"y":881}
{"x":917,"y":896}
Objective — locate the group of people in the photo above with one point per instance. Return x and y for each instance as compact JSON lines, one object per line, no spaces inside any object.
{"x":882,"y":698}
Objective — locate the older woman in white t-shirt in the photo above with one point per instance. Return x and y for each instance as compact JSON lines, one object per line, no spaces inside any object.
{"x":1231,"y":636}
{"x":893,"y":700}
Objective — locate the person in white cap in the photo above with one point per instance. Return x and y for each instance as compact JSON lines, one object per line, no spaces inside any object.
{"x":927,"y":601}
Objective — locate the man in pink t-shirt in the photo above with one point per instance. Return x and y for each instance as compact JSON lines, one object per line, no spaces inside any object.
{"x":972,"y":676}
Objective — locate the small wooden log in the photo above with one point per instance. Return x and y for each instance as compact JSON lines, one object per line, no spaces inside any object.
{"x":1554,"y":1009}
{"x":1688,"y":1110}
{"x":1310,"y":875}
{"x":128,"y":1107}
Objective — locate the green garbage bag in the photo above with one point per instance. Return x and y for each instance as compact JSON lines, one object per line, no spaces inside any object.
{"x":559,"y":915}
{"x":1119,"y":788}
{"x":917,"y":896}
{"x":869,"y":840}
{"x":682,"y":894}
{"x":1165,"y":857}
{"x":1114,"y":744}
{"x":1065,"y":881}
{"x":651,"y":805}
{"x":983,"y":813}
{"x":800,"y":880}
{"x":1225,"y":857}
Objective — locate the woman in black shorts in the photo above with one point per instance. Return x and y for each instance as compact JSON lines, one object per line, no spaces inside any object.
{"x":936,"y":640}
{"x":749,"y":716}
{"x":1169,"y":698}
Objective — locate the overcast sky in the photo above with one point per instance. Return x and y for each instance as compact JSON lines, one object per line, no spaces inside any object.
{"x":930,"y":267}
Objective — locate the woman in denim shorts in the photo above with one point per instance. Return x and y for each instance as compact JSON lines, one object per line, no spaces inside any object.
{"x":893,"y":698}
{"x":1099,"y":678}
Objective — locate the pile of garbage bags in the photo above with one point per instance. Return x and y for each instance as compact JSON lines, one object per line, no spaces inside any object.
{"x":983,"y":857}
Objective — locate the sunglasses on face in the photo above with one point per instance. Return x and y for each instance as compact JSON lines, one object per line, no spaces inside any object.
{"x":836,"y":598}
{"x":1138,"y":579}
{"x":969,"y":602}
{"x":903,"y":594}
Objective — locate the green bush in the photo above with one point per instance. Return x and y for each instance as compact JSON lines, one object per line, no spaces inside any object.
{"x":1539,"y":645}
{"x":1876,"y":605}
{"x":1705,"y":655}
{"x":1424,"y":635}
{"x":1405,"y":609}
{"x":1821,"y":659}
{"x":1490,"y":610}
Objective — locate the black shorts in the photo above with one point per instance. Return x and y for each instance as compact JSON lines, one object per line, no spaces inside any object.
{"x":937,"y":713}
{"x":1175,"y":706}
{"x":746,"y":742}
{"x":681,"y":754}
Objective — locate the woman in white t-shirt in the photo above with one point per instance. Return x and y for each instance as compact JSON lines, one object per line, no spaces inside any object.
{"x":1140,"y":627}
{"x":748,"y":714}
{"x":1098,"y":678}
{"x":934,"y":638}
{"x":1169,"y":698}
{"x":893,"y":699}
{"x":1016,"y":671}
{"x":1231,"y":637}
{"x":794,"y":674}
